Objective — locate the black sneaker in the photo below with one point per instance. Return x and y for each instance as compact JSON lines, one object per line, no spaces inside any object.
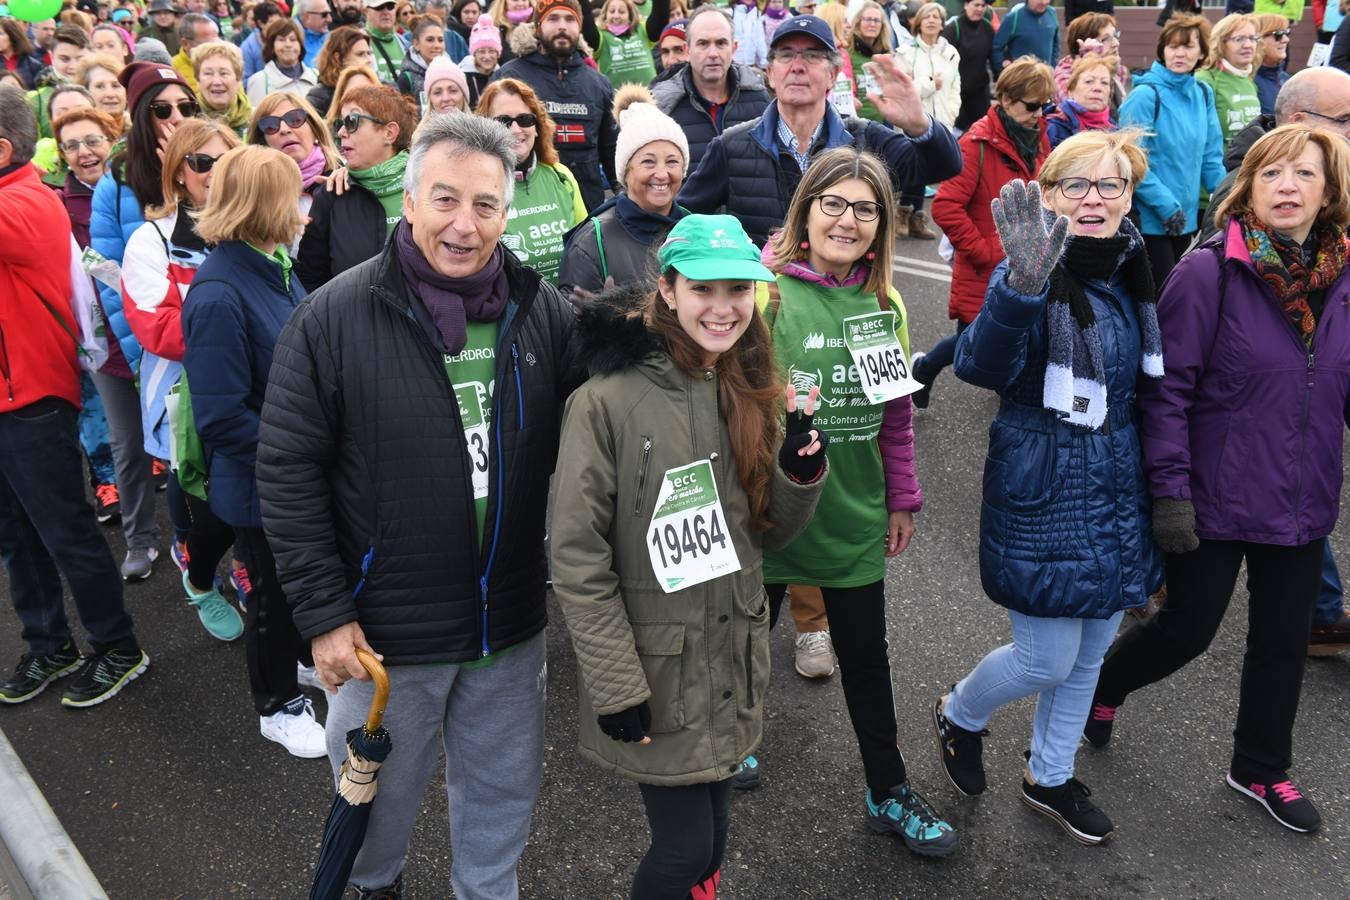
{"x":920,"y":397}
{"x":103,"y":675}
{"x":1068,"y":804}
{"x":1282,"y":800}
{"x":34,"y":673}
{"x":1097,"y":729}
{"x":746,"y":776}
{"x":961,"y":752}
{"x":392,"y":892}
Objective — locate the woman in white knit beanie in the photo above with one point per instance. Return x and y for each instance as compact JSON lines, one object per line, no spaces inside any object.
{"x":617,"y":244}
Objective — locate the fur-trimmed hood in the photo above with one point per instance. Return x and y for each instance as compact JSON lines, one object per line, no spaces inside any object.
{"x":612,"y":334}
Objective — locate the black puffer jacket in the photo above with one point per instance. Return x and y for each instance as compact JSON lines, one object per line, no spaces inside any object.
{"x":677,"y":98}
{"x":343,"y":232}
{"x":362,"y":465}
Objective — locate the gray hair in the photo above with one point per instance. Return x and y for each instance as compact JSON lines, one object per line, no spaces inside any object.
{"x":17,"y":124}
{"x":187,"y":26}
{"x":466,"y":133}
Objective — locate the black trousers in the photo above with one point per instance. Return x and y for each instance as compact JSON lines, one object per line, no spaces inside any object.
{"x":208,"y":541}
{"x":858,"y":629}
{"x":271,"y":641}
{"x":1163,"y":252}
{"x":689,"y":835}
{"x":1283,"y":583}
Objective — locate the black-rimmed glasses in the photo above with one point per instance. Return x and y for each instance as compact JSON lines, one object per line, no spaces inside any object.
{"x":352,"y":121}
{"x":1107,"y":188}
{"x":163,"y":109}
{"x":835,"y":206}
{"x":200,"y":163}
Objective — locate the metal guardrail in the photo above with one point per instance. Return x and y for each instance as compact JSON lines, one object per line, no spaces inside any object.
{"x":43,"y":854}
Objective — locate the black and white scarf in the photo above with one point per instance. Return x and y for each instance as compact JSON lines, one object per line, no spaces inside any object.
{"x":1075,"y":374}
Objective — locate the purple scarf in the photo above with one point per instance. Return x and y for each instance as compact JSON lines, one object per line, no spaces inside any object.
{"x":482,"y":296}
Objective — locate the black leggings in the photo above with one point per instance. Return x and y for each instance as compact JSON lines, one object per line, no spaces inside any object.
{"x":208,"y":542}
{"x":1283,"y":583}
{"x":271,"y":642}
{"x":689,"y":835}
{"x":857,"y":618}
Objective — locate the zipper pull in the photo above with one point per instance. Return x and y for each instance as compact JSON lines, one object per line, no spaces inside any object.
{"x":515,"y":358}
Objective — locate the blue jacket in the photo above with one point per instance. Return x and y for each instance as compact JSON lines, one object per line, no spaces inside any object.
{"x":1064,"y":122}
{"x":313,"y":44}
{"x":234,"y":312}
{"x":1269,"y":80}
{"x":1065,"y":521}
{"x":1023,"y":31}
{"x":1184,"y":145}
{"x":113,"y":218}
{"x":745,"y":170}
{"x":252,"y":50}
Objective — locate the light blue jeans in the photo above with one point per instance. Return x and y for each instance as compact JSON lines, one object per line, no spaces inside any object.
{"x":1059,"y":659}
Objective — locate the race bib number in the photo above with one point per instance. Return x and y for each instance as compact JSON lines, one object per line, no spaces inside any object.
{"x":687,"y":538}
{"x":472,"y":409}
{"x":878,"y":356}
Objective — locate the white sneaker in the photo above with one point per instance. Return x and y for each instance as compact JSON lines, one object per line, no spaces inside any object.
{"x":306,"y":676}
{"x":297,"y":731}
{"x":815,"y":655}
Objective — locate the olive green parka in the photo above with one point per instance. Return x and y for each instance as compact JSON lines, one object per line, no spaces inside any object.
{"x":700,"y":655}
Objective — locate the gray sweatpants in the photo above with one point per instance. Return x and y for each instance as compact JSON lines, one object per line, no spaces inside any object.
{"x":490,"y":723}
{"x":135,"y":481}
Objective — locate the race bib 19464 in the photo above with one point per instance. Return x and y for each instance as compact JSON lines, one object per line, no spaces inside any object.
{"x":878,"y":356}
{"x":687,"y":538}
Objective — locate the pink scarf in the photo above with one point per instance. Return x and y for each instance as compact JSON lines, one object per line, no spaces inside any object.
{"x":312,"y":167}
{"x":1096,"y":121}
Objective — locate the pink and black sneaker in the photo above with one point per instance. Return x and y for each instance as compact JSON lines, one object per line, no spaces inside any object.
{"x":1098,"y":727}
{"x":1282,"y":800}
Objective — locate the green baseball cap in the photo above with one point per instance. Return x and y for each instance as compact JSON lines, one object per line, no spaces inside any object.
{"x":712,"y":248}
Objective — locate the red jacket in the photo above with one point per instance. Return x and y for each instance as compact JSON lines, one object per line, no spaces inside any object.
{"x":961,"y":208}
{"x":37,"y":351}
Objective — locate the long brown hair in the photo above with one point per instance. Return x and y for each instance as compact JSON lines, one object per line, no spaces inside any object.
{"x":748,"y":390}
{"x":544,"y":151}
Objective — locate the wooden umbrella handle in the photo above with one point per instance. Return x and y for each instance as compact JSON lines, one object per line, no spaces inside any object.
{"x":381,"y":679}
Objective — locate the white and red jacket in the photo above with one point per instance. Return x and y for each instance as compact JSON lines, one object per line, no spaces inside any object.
{"x":156,"y":274}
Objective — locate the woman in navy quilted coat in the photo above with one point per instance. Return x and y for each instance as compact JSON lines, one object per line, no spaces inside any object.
{"x":1068,"y":324}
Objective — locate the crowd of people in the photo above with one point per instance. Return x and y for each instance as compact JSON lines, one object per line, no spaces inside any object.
{"x":348,"y":281}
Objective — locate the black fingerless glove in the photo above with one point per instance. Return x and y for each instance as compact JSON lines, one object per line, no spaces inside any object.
{"x":629,"y":725}
{"x":801,"y":469}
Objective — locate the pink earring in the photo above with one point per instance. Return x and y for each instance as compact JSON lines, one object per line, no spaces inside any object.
{"x":871,"y":255}
{"x":805,"y":245}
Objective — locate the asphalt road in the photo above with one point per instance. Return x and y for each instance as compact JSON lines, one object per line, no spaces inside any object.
{"x":170,"y":792}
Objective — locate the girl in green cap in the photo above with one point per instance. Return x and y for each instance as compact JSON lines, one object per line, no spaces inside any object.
{"x":674,"y":477}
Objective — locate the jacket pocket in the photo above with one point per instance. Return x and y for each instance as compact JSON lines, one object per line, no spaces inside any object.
{"x":642,"y":474}
{"x":757,"y":654}
{"x":1025,"y":470}
{"x":660,"y":647}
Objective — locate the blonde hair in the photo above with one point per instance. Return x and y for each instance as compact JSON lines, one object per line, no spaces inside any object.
{"x":1080,"y":154}
{"x":323,"y":135}
{"x":1086,"y":63}
{"x":835,"y":15}
{"x":1288,"y":142}
{"x":825,"y":171}
{"x":1221,"y":32}
{"x":252,"y":198}
{"x":202,"y":52}
{"x":917,"y":19}
{"x":97,"y":61}
{"x":1269,"y":22}
{"x":882,"y":44}
{"x":340,"y":90}
{"x":189,"y":137}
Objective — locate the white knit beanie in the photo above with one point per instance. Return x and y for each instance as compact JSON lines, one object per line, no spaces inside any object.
{"x":639,"y":125}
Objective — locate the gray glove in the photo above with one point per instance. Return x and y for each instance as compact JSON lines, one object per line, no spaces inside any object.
{"x":1174,"y":525}
{"x":1031,"y":250}
{"x":1175,"y":226}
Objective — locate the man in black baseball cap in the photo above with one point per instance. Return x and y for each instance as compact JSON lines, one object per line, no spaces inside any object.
{"x":772,"y":151}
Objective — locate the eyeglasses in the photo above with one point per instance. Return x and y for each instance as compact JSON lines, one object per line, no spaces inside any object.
{"x":200,"y":163}
{"x":1113,"y":36}
{"x":787,"y":55}
{"x":293,"y":118}
{"x":324,"y":14}
{"x":92,"y":141}
{"x":1077,"y":188}
{"x":1281,"y":35}
{"x":1342,"y":122}
{"x":163,"y":109}
{"x":835,"y":206}
{"x":524,"y":120}
{"x":352,"y":121}
{"x":1243,"y":39}
{"x":1035,"y":107}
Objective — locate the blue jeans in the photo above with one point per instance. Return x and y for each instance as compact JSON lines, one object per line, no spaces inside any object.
{"x":1330,"y":599}
{"x":942,"y":355}
{"x":1056,"y":658}
{"x":46,"y":527}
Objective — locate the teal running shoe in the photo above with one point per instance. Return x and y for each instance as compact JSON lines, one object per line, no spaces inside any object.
{"x":907,"y":814}
{"x":219,"y":618}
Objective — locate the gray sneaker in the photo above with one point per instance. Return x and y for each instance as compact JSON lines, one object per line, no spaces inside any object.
{"x":140,"y":562}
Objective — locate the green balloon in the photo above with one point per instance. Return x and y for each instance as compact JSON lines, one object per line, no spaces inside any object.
{"x":34,"y":10}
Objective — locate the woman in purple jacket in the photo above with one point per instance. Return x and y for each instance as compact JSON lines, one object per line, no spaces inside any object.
{"x":1242,"y":447}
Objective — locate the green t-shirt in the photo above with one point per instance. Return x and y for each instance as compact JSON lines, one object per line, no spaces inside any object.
{"x":845,"y":543}
{"x":863,"y":82}
{"x":1235,"y":100}
{"x":471,"y":373}
{"x":388,"y":53}
{"x":542,"y":211}
{"x":627,"y":59}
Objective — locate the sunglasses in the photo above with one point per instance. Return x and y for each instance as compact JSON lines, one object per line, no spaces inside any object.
{"x":352,"y":121}
{"x":293,"y":118}
{"x":383,"y":7}
{"x":163,"y":109}
{"x":200,"y":163}
{"x":1282,"y":34}
{"x":1032,"y":106}
{"x":92,"y":141}
{"x":524,"y":120}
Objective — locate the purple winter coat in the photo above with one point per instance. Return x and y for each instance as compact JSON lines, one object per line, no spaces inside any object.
{"x":1246,"y":422}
